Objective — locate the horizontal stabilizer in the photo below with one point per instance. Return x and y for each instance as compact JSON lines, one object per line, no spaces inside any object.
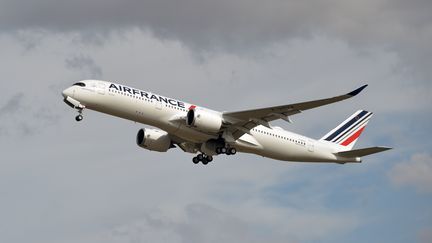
{"x":362,"y":152}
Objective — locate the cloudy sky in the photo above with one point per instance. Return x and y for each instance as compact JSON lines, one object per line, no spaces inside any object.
{"x":62,"y":181}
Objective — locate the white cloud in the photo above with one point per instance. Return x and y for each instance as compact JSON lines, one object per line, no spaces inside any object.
{"x":416,"y":172}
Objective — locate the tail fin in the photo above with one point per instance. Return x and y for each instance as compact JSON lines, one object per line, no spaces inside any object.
{"x":348,"y":132}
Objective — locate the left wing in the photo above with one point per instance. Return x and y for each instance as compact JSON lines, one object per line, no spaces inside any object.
{"x":241,"y":122}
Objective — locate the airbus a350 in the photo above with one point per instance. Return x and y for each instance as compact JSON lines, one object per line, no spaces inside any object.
{"x":208,"y":133}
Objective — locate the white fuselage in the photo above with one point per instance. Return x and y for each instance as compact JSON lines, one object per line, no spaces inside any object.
{"x":164,"y":113}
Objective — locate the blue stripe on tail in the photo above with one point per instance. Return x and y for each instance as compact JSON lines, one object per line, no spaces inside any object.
{"x":345,"y":126}
{"x":360,"y":121}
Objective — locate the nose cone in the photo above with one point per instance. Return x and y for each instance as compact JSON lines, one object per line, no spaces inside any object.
{"x":67,"y":92}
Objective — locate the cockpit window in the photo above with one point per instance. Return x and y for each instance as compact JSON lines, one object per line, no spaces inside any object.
{"x":79,"y":84}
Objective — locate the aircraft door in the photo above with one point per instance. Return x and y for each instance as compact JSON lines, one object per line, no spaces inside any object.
{"x":310,"y":145}
{"x":101,"y":88}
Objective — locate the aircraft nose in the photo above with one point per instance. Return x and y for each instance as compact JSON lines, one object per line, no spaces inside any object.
{"x":67,"y":92}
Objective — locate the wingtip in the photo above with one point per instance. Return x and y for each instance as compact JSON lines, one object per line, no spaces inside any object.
{"x":357,"y":91}
{"x":384,"y":148}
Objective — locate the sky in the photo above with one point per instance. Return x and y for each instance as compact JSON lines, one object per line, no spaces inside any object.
{"x":63,"y":181}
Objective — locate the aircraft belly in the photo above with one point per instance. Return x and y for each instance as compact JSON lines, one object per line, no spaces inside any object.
{"x":192,"y":135}
{"x":247,"y":144}
{"x":288,"y":151}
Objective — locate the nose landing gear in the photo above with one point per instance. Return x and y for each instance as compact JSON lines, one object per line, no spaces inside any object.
{"x":79,"y":117}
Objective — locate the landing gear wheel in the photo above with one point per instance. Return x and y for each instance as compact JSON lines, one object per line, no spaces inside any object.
{"x":218,"y":150}
{"x":205,"y":159}
{"x":79,"y":118}
{"x":223,"y":150}
{"x":232,"y":151}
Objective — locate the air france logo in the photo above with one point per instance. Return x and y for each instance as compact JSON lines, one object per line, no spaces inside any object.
{"x":137,"y":92}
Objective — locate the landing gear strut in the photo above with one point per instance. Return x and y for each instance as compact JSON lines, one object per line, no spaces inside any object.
{"x":79,"y":117}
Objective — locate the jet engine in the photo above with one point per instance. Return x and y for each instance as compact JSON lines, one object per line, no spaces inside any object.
{"x":153,"y":139}
{"x":204,"y":121}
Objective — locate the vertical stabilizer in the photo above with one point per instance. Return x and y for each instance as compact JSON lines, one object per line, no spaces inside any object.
{"x":348,"y":132}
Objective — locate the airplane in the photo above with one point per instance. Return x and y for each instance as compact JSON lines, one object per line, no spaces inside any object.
{"x":208,"y":133}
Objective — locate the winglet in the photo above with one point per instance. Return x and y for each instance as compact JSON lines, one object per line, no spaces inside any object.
{"x":357,"y":91}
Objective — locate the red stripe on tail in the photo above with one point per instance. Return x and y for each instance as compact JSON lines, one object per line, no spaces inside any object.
{"x":353,"y":137}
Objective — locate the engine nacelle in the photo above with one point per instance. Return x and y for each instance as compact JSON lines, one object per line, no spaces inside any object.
{"x":153,"y":139}
{"x":204,"y":120}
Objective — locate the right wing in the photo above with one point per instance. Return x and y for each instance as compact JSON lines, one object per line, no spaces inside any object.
{"x":242,"y":122}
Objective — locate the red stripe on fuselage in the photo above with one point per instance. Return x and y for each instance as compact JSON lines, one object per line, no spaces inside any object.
{"x":353,"y":137}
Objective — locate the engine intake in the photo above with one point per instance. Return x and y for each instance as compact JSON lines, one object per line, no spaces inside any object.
{"x":153,"y":139}
{"x":204,"y":120}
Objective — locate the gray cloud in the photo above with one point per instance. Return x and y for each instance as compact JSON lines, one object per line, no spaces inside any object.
{"x":18,"y":116}
{"x":198,"y":222}
{"x":31,"y":39}
{"x":84,"y":64}
{"x":8,"y":110}
{"x":72,"y":180}
{"x":13,"y":105}
{"x":402,"y":27}
{"x":201,"y":223}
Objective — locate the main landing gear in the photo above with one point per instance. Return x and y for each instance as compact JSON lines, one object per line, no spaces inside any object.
{"x":205,"y":159}
{"x":227,"y":151}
